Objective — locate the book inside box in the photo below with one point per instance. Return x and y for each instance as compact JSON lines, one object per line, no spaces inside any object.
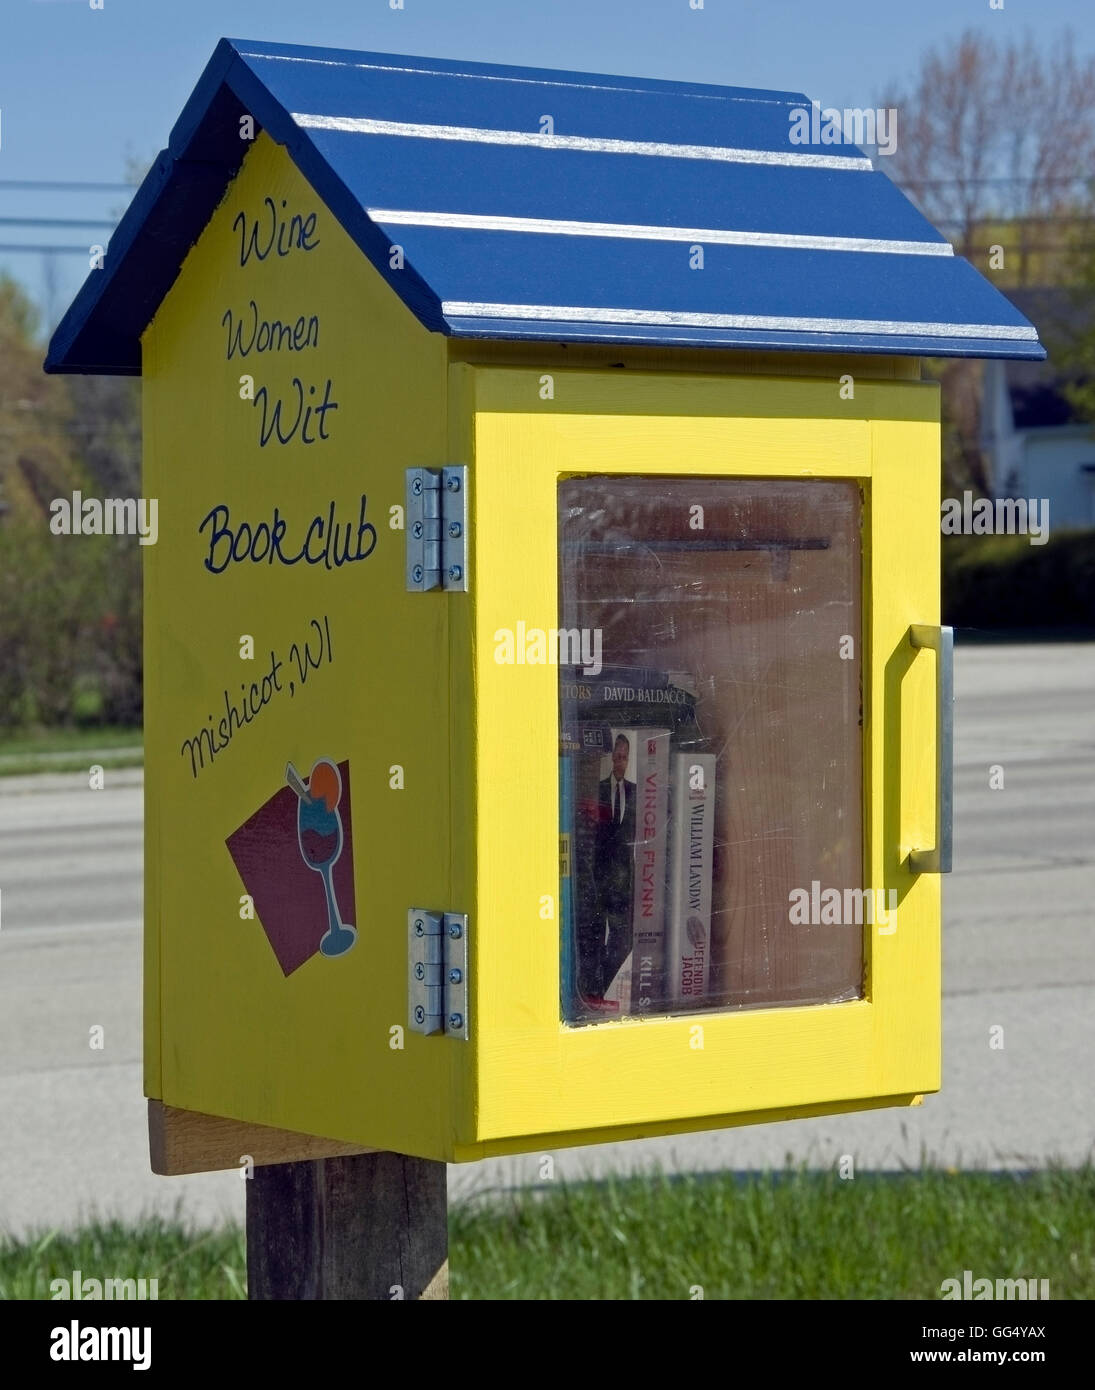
{"x":710,"y":749}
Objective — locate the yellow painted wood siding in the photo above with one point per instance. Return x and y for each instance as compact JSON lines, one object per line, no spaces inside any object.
{"x":227,"y":1033}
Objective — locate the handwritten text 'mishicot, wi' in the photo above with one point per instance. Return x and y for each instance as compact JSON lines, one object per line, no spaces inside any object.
{"x":299,"y":411}
{"x":203,"y":746}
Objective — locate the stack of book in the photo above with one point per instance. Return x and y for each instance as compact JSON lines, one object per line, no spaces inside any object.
{"x":637,"y":808}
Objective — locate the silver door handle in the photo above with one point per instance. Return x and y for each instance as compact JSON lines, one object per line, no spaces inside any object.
{"x":941,"y":641}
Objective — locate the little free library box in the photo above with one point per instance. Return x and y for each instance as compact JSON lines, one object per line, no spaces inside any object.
{"x":547,"y":713}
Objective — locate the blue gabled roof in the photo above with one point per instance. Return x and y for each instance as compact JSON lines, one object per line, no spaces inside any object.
{"x":582,"y":234}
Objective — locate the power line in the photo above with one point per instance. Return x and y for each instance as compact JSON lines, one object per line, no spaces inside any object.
{"x":7,"y":247}
{"x":1002,"y":178}
{"x":70,"y":187}
{"x":55,"y":222}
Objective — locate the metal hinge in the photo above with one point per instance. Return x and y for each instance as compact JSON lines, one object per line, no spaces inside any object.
{"x":437,"y":529}
{"x":437,"y":975}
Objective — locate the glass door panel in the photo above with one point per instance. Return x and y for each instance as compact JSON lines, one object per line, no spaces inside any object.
{"x":710,"y":716}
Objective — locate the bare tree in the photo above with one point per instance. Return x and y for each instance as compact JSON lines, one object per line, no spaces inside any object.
{"x":996,"y":146}
{"x":999,"y":133}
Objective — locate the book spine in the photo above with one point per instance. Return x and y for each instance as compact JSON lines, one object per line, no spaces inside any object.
{"x":651,"y":846}
{"x":567,"y":944}
{"x":619,"y":992}
{"x":586,"y":746}
{"x":631,"y":703}
{"x":692,"y":843}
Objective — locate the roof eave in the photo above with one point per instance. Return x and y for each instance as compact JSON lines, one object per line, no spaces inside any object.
{"x":100,"y":333}
{"x":751,"y":339}
{"x":97,"y":336}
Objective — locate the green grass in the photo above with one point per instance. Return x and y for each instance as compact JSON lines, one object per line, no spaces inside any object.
{"x":66,"y":750}
{"x":792,"y":1235}
{"x":211,"y":1264}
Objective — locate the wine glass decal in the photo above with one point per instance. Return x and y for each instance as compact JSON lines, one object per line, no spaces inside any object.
{"x":319,"y":835}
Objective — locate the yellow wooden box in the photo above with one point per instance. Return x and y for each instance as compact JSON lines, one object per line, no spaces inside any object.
{"x":545,"y":324}
{"x":442,"y":741}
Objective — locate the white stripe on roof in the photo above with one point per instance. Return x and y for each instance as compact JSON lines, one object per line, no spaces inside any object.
{"x":758,"y":96}
{"x":457,"y":308}
{"x":712,"y":236}
{"x":367,"y":125}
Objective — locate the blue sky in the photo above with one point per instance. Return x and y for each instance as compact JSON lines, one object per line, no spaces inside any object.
{"x":82,"y":90}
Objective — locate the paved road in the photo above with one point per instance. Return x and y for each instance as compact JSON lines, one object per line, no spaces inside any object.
{"x":1020,"y":951}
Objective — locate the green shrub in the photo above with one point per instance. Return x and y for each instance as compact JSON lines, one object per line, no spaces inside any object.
{"x":1005,"y":582}
{"x":70,"y":623}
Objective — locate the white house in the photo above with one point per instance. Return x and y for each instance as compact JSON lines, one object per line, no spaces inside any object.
{"x":1034,"y":442}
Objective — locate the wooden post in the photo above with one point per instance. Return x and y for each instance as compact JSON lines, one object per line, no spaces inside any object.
{"x":373,"y":1226}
